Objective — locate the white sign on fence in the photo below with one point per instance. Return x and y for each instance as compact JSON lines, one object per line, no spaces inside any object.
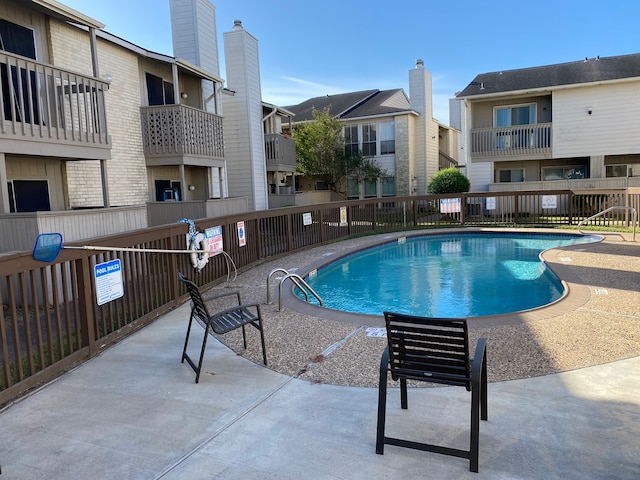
{"x":449,"y":205}
{"x":549,"y":201}
{"x":490,"y":203}
{"x":109,"y":284}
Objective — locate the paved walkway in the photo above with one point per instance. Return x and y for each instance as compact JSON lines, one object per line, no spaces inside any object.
{"x":135,"y":412}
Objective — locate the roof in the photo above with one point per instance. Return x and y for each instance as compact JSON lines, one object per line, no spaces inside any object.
{"x":589,"y":70}
{"x":62,"y":12}
{"x":365,"y":103}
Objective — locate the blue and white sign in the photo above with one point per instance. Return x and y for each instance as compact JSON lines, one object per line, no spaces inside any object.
{"x":109,"y":284}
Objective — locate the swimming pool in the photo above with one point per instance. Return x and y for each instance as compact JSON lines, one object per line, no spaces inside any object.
{"x":450,"y":275}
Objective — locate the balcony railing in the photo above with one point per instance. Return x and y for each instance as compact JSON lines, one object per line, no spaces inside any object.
{"x":280,"y":152}
{"x":511,"y":141}
{"x":170,"y":130}
{"x":445,"y":161}
{"x":42,"y":103}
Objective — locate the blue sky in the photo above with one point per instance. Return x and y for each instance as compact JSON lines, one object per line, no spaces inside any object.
{"x":314,"y":48}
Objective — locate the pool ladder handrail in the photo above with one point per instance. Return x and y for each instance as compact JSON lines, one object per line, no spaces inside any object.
{"x":298,"y":282}
{"x":620,"y":207}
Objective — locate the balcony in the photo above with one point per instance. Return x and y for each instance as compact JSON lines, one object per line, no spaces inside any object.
{"x":512,"y":142}
{"x":43,"y":108}
{"x":280,"y":153}
{"x":181,"y":135}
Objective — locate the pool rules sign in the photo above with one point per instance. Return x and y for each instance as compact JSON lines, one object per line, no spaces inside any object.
{"x":109,"y":285}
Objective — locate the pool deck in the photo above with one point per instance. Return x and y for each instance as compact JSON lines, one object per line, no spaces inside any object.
{"x":135,"y":412}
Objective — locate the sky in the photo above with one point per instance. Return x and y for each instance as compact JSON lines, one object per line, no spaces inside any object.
{"x":315,"y":48}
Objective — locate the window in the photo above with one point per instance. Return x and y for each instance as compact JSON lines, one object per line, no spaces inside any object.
{"x":159,"y":92}
{"x":625,"y":170}
{"x":515,"y":115}
{"x":351,"y":141}
{"x":388,"y":186}
{"x":387,"y":137}
{"x":513,"y":175}
{"x":28,"y":196}
{"x":353,"y":190}
{"x":369,"y":139}
{"x":510,"y":116}
{"x":564,"y":173}
{"x":168,"y":190}
{"x":370,"y":189}
{"x":19,"y":40}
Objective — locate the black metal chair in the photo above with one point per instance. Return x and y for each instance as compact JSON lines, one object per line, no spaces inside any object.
{"x":220,"y":322}
{"x":432,"y":350}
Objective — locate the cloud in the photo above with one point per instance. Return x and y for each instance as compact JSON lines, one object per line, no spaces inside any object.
{"x":291,"y":90}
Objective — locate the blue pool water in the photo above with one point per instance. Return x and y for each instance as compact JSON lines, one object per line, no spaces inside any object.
{"x":457,"y":275}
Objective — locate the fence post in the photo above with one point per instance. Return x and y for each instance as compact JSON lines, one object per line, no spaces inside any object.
{"x":173,"y":274}
{"x":570,"y":207}
{"x":289,"y":232}
{"x":83,"y":269}
{"x":516,"y":207}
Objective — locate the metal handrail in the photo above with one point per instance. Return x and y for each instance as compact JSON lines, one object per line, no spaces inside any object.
{"x":626,"y":207}
{"x":297,"y":279}
{"x":271,"y":273}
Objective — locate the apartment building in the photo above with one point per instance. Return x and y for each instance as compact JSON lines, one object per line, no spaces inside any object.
{"x":572,"y":125}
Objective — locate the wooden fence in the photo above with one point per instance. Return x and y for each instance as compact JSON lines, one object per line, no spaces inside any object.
{"x":50,"y":320}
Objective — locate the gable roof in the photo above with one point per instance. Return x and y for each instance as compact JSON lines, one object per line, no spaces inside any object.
{"x":589,"y":70}
{"x":354,"y":104}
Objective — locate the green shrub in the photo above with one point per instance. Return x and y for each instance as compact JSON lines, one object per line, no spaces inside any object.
{"x":449,"y":180}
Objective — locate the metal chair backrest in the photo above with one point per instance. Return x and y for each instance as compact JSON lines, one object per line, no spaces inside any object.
{"x":198,"y":306}
{"x":429,"y":349}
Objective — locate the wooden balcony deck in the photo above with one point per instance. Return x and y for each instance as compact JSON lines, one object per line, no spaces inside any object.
{"x":181,"y":131}
{"x":515,"y":141}
{"x":42,"y":104}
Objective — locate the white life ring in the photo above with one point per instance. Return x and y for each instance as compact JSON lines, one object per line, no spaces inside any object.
{"x":199,"y":258}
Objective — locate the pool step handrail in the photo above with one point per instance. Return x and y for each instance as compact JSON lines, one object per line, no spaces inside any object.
{"x":301,"y":284}
{"x":620,"y":207}
{"x":271,"y":273}
{"x":297,"y":280}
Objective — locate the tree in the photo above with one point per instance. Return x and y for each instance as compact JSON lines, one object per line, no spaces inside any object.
{"x":449,"y":180}
{"x":320,"y":152}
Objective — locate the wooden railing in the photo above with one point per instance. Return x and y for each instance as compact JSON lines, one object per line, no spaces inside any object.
{"x":42,"y":103}
{"x":511,"y":141}
{"x":170,"y":130}
{"x":445,"y":161}
{"x":50,"y":320}
{"x":280,"y":151}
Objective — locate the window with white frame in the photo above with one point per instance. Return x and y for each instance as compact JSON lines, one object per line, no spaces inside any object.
{"x":509,"y":115}
{"x":369,"y":139}
{"x":387,"y":137}
{"x":512,"y":116}
{"x":351,"y":142}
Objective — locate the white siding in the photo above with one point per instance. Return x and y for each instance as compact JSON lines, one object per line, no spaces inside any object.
{"x":244,"y":138}
{"x":611,"y":129}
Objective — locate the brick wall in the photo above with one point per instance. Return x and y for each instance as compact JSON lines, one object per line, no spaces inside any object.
{"x":126,"y":170}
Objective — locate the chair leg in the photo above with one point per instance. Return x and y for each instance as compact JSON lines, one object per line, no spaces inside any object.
{"x":382,"y":402}
{"x":204,"y":345}
{"x":264,"y":349}
{"x":403,"y":393}
{"x":475,"y":429}
{"x":244,"y":337}
{"x":186,"y":338}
